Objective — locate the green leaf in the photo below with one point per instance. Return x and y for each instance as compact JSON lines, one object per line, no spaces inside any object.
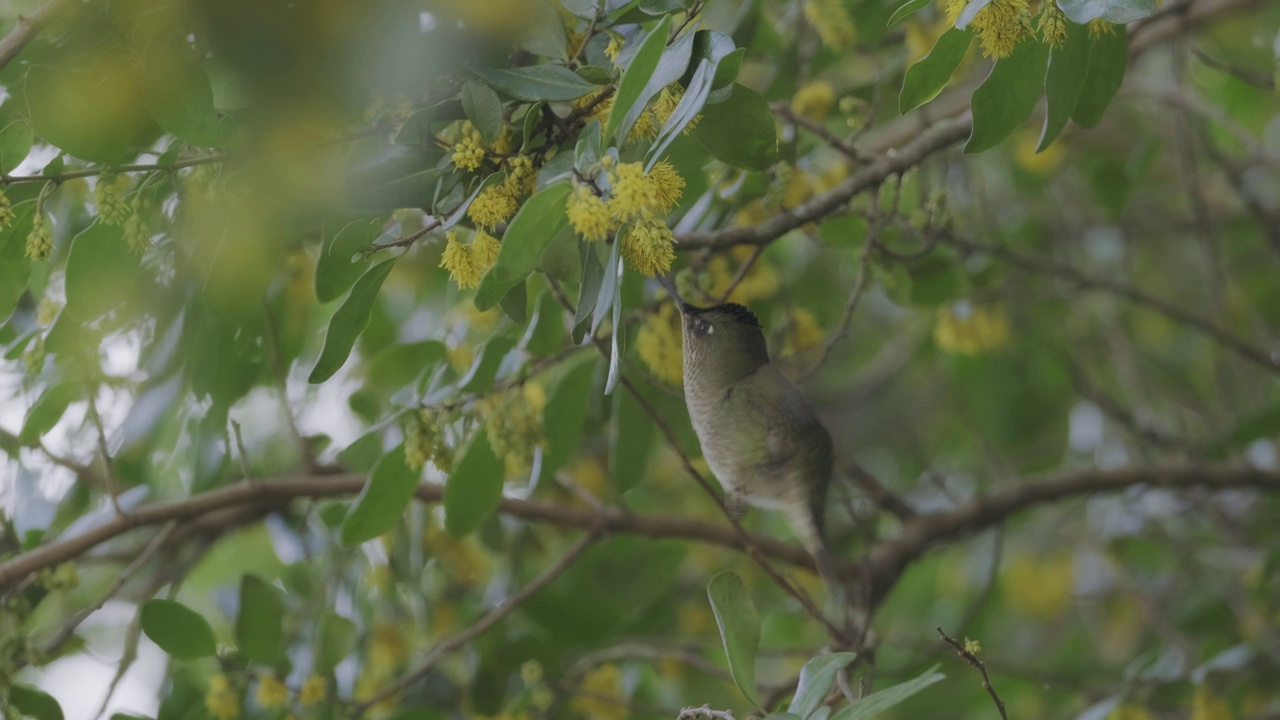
{"x":546,"y":333}
{"x":877,"y":702}
{"x":128,"y":716}
{"x":739,"y":629}
{"x":15,"y":266}
{"x":1121,"y":12}
{"x":969,"y":12}
{"x":474,"y":489}
{"x":527,"y":236}
{"x":260,"y":620}
{"x":544,"y":32}
{"x":1068,"y":67}
{"x":1108,"y":58}
{"x":483,"y":109}
{"x":48,"y":410}
{"x":337,"y":267}
{"x":515,"y":304}
{"x":15,"y":145}
{"x":1006,"y":98}
{"x":926,"y":78}
{"x":906,"y":10}
{"x":740,"y":131}
{"x":177,"y":629}
{"x":349,"y":321}
{"x":634,"y":79}
{"x":816,"y":678}
{"x":363,"y":453}
{"x":480,"y":377}
{"x":589,"y":292}
{"x":335,"y":640}
{"x":381,"y":503}
{"x":95,"y":116}
{"x":566,"y":414}
{"x":34,"y":703}
{"x":782,"y":716}
{"x":630,"y":441}
{"x":101,"y":272}
{"x":538,"y":82}
{"x":180,"y":98}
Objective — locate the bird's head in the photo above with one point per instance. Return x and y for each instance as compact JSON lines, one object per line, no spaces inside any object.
{"x":724,"y":343}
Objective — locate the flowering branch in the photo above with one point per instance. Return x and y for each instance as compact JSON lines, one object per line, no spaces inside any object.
{"x":973,"y":660}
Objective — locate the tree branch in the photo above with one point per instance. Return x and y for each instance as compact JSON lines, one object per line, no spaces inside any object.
{"x":27,"y":28}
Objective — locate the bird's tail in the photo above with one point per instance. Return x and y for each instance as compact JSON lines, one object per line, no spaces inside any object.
{"x":804,"y":524}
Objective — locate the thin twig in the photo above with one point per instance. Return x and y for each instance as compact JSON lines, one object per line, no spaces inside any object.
{"x":693,"y":713}
{"x":974,"y":661}
{"x":741,"y":275}
{"x":27,"y":28}
{"x":478,"y":628}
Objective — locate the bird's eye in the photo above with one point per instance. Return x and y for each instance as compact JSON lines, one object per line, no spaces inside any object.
{"x":702,"y":327}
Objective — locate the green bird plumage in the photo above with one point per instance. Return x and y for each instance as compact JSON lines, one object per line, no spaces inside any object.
{"x":759,"y":434}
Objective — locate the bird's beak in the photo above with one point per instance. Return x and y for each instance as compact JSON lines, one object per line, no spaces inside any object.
{"x":667,"y":281}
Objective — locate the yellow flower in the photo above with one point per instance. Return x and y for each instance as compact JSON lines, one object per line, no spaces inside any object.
{"x":1053,"y":24}
{"x":387,"y":648}
{"x":599,"y":108}
{"x":649,"y":247}
{"x":803,"y":332}
{"x":643,"y":128}
{"x":39,"y":240}
{"x":521,"y":177}
{"x":635,"y":194}
{"x":750,"y":214}
{"x":502,"y":145}
{"x":588,"y":473}
{"x":599,"y":696}
{"x":1099,"y":27}
{"x":1208,"y":705}
{"x":830,"y":18}
{"x":659,"y":345}
{"x":967,"y":330}
{"x":953,"y":8}
{"x":314,"y":690}
{"x":493,"y":206}
{"x":665,"y":105}
{"x":513,"y":421}
{"x":669,"y":185}
{"x":468,"y":154}
{"x":47,"y":311}
{"x":108,"y":195}
{"x":1128,"y":711}
{"x":614,"y":48}
{"x":137,"y":231}
{"x":461,"y":263}
{"x":220,"y":699}
{"x":271,"y":692}
{"x":485,"y":248}
{"x":973,"y":647}
{"x":1001,"y":26}
{"x":1039,"y":587}
{"x":814,"y":100}
{"x":588,"y":214}
{"x":420,"y":435}
{"x":531,"y":672}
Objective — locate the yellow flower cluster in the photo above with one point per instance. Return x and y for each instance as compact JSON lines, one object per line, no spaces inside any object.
{"x":108,"y":195}
{"x":614,"y":48}
{"x":973,"y":647}
{"x":1039,"y":587}
{"x":498,"y":203}
{"x":272,"y":693}
{"x":1053,"y":24}
{"x":1209,"y":705}
{"x":468,"y":263}
{"x":665,"y":105}
{"x":1000,"y":26}
{"x":830,"y":18}
{"x":814,"y":100}
{"x":314,"y":690}
{"x":588,"y":214}
{"x":422,"y":441}
{"x":64,"y":576}
{"x":659,"y":345}
{"x":469,"y":152}
{"x":1099,"y":27}
{"x":803,"y":332}
{"x":39,"y":240}
{"x":513,"y":421}
{"x":599,"y":696}
{"x":967,"y":330}
{"x":1128,"y":711}
{"x":649,"y":246}
{"x":6,"y":211}
{"x":137,"y":229}
{"x":760,"y":281}
{"x":221,"y":700}
{"x":638,"y":198}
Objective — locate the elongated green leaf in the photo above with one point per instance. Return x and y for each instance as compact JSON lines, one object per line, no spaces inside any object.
{"x":48,"y":410}
{"x":969,"y":12}
{"x":1108,"y":59}
{"x":515,"y":304}
{"x":634,"y":80}
{"x":589,"y":293}
{"x":474,"y":488}
{"x":538,"y":82}
{"x":1068,"y":67}
{"x":926,"y":78}
{"x":381,"y":503}
{"x":101,"y":272}
{"x":338,"y":267}
{"x":739,"y":629}
{"x":530,"y":232}
{"x":177,"y":629}
{"x":15,"y":266}
{"x":15,"y":145}
{"x":816,"y":678}
{"x":92,"y":115}
{"x":350,"y":320}
{"x":1116,"y":11}
{"x":483,"y":109}
{"x":260,"y":620}
{"x":480,"y":377}
{"x":739,"y":131}
{"x":34,"y":703}
{"x":180,"y":98}
{"x":1006,"y":98}
{"x":565,"y":414}
{"x":630,"y":442}
{"x":335,"y":640}
{"x":877,"y":702}
{"x":671,"y":66}
{"x":906,"y":10}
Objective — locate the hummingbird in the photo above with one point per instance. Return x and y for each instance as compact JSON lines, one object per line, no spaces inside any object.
{"x":759,"y":434}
